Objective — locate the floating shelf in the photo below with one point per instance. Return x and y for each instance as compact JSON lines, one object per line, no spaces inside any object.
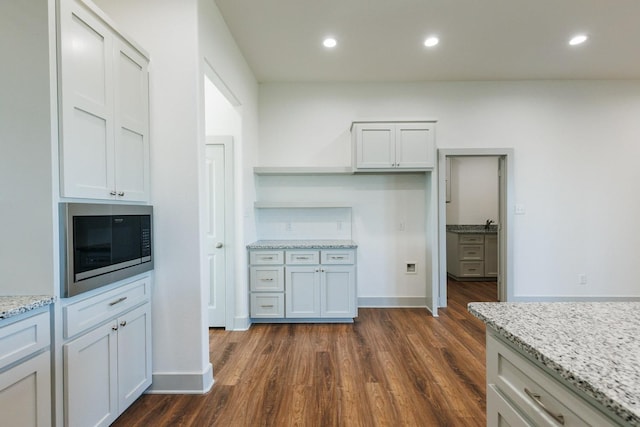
{"x":302,"y":170}
{"x":289,"y":205}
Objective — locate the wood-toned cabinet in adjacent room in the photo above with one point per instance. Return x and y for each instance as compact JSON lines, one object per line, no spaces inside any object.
{"x":393,"y":146}
{"x":104,"y":113}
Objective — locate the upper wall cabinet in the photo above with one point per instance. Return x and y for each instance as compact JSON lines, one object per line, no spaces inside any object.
{"x":104,"y":108}
{"x":407,"y":146}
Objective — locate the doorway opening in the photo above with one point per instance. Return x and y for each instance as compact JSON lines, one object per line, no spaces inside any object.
{"x":494,"y":207}
{"x":222,"y":122}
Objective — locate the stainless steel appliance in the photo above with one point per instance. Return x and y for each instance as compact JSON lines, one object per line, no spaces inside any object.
{"x":103,"y":243}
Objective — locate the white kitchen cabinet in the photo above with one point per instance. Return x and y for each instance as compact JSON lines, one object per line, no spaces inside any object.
{"x":25,"y":371}
{"x":317,"y":284}
{"x":408,"y":146}
{"x":104,"y":114}
{"x":521,"y":393}
{"x":109,"y":366}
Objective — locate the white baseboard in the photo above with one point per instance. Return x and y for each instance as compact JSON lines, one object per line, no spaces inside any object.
{"x":391,"y":302}
{"x":241,"y":324}
{"x":182,"y":382}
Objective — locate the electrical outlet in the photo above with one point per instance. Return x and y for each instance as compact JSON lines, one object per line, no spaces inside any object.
{"x":401,"y":226}
{"x":287,"y":226}
{"x":582,"y":279}
{"x":339,"y":225}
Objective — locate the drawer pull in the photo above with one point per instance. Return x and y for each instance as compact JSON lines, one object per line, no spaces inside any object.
{"x":267,"y":306}
{"x":267,"y":257}
{"x":337,"y":257}
{"x":302,"y":257}
{"x":118,"y":301}
{"x":270,"y":279}
{"x":123,"y":323}
{"x":536,"y":398}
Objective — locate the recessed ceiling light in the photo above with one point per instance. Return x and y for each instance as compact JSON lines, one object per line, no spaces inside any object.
{"x":578,"y":39}
{"x":329,"y":42}
{"x":431,"y":41}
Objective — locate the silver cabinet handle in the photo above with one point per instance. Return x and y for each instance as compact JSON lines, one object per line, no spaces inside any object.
{"x":267,"y":306}
{"x":123,"y":323}
{"x":121,"y":193}
{"x":118,"y":301}
{"x":267,"y":257}
{"x":337,"y":257}
{"x":302,"y":257}
{"x":270,"y":279}
{"x":536,"y":398}
{"x":218,"y":245}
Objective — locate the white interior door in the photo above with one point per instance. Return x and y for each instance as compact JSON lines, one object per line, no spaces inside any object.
{"x":215,"y":234}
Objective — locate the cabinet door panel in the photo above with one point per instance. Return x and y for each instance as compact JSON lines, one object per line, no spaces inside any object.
{"x":131,"y":123}
{"x":415,"y":146}
{"x":25,"y":393}
{"x":375,"y":146}
{"x":302,"y":292}
{"x":91,"y":383}
{"x":134,"y":355}
{"x":338,"y":291}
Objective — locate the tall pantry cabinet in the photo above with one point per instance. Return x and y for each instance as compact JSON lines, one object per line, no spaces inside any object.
{"x":104,"y":108}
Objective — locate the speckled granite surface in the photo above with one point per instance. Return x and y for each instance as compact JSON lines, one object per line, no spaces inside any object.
{"x":472,"y":229}
{"x":303,"y":244}
{"x":593,"y":346}
{"x":14,"y":305}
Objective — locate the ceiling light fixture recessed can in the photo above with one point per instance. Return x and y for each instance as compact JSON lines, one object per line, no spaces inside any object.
{"x":431,"y":41}
{"x":329,"y":42}
{"x":578,"y":39}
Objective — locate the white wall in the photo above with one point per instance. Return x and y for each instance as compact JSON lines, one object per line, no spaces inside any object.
{"x":177,"y":35}
{"x":26,"y":148}
{"x":474,"y":190}
{"x":576,"y":145}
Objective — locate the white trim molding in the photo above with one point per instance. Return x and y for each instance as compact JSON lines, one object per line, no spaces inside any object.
{"x":182,"y":382}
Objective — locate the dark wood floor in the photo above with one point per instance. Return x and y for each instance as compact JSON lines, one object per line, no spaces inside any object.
{"x":391,"y":367}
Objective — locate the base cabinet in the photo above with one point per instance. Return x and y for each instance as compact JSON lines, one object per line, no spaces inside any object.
{"x":472,"y":256}
{"x":108,"y":367}
{"x":25,"y":372}
{"x":520,"y":393}
{"x":310,"y":284}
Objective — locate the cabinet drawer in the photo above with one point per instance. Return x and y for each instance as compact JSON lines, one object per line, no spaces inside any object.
{"x":267,"y":305}
{"x":500,"y":413}
{"x":338,"y":256}
{"x":90,"y":312}
{"x":472,"y":252}
{"x":472,"y":268}
{"x":267,"y":279}
{"x":24,"y":337}
{"x":532,"y":390}
{"x":266,"y":257}
{"x":303,"y":257}
{"x":471,"y":238}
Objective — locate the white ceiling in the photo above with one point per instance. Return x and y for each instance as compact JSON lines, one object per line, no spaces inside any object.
{"x":381,"y":40}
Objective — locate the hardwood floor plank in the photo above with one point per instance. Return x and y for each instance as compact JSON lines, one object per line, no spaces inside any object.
{"x":395,"y":367}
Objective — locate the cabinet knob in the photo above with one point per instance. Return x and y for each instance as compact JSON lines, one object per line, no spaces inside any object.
{"x":121,"y":193}
{"x":113,"y":193}
{"x":114,"y":328}
{"x":123,"y":323}
{"x":218,"y":245}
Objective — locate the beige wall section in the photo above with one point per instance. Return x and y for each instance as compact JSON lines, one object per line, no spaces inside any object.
{"x":474,"y":190}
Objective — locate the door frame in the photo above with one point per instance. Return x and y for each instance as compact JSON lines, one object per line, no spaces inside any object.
{"x":505,"y":209}
{"x":229,"y":226}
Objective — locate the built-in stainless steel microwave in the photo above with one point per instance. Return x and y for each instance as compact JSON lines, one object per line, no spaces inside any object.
{"x":103,"y":243}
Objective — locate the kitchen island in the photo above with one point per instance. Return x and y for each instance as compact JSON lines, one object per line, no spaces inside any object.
{"x":564,"y":363}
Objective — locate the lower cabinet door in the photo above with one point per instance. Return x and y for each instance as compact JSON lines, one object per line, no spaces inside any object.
{"x":338,"y":291}
{"x":500,"y":413}
{"x":134,"y":355}
{"x":25,"y":393}
{"x":91,"y":395}
{"x":302,"y":292}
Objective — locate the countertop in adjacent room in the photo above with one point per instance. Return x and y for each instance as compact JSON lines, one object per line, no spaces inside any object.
{"x":17,"y":304}
{"x":303,"y":244}
{"x":593,"y":347}
{"x":472,"y":229}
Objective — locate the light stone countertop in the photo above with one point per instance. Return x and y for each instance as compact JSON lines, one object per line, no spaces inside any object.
{"x":13,"y":305}
{"x":594,"y":347}
{"x":303,"y":244}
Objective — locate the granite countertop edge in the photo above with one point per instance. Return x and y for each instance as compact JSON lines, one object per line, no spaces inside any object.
{"x":303,"y":244}
{"x":608,"y":404}
{"x":13,"y":305}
